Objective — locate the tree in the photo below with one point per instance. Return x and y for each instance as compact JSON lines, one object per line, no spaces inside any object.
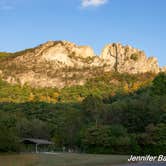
{"x":33,"y":129}
{"x":105,"y":139}
{"x":9,"y":140}
{"x":66,"y":128}
{"x":93,"y":108}
{"x":96,"y":139}
{"x":159,"y":84}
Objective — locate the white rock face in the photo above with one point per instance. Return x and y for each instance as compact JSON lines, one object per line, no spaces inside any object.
{"x":163,"y":69}
{"x":57,"y":54}
{"x":64,"y":51}
{"x":128,"y":59}
{"x":85,"y":51}
{"x":62,"y":63}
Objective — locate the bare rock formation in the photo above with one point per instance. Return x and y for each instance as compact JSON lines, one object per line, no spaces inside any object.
{"x":62,"y":63}
{"x":52,"y":64}
{"x":127,"y":59}
{"x":163,"y":69}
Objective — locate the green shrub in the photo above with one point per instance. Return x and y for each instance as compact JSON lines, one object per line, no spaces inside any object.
{"x":134,"y":57}
{"x":9,"y":142}
{"x":159,"y":84}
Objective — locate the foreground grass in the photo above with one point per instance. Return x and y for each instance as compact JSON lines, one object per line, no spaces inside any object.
{"x":61,"y":159}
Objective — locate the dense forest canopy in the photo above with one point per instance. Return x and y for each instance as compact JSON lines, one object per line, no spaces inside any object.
{"x":112,"y":113}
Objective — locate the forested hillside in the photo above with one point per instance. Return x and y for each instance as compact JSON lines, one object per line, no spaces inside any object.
{"x":104,"y":85}
{"x":114,"y":113}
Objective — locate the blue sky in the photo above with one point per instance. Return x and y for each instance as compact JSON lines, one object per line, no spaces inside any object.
{"x":140,"y":23}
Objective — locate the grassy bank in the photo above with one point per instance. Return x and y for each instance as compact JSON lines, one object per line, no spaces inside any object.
{"x":61,"y":159}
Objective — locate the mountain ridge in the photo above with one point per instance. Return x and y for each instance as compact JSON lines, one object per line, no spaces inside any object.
{"x":63,"y":63}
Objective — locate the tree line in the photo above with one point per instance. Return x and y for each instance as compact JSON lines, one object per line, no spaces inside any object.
{"x":117,"y":120}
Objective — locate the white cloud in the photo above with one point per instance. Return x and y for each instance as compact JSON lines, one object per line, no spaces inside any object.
{"x":95,"y":3}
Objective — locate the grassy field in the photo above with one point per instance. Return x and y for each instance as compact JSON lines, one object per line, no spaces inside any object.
{"x":61,"y":159}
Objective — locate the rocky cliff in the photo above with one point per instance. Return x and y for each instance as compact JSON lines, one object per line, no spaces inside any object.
{"x":62,"y":63}
{"x":130,"y":60}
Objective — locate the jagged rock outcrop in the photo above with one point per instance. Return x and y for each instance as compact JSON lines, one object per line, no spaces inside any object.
{"x":163,"y":69}
{"x":127,"y":59}
{"x":64,"y":51}
{"x":52,"y":64}
{"x":61,"y":53}
{"x":62,"y":63}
